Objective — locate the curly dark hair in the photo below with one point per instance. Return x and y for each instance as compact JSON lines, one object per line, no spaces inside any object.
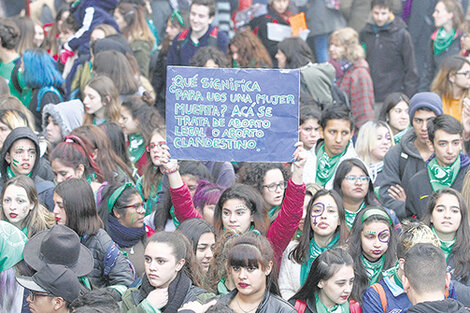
{"x":9,"y":33}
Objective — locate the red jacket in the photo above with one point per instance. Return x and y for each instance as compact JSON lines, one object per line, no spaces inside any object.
{"x":281,"y":230}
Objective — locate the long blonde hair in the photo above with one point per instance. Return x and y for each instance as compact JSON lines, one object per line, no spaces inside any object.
{"x":367,"y":139}
{"x":349,"y":39}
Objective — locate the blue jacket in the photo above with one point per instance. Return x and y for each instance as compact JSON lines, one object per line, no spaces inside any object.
{"x":88,"y":14}
{"x":397,"y":300}
{"x":182,"y":50}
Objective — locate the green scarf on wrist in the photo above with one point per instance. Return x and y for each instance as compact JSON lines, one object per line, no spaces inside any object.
{"x":315,"y":251}
{"x":136,"y":147}
{"x":351,"y":216}
{"x":373,"y":269}
{"x":446,"y":246}
{"x":443,"y":40}
{"x":326,"y":166}
{"x":442,"y":177}
{"x":339,"y":308}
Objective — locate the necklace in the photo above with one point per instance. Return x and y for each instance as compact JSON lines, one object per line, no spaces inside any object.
{"x":239,"y":306}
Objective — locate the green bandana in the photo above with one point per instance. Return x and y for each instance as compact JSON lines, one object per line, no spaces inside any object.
{"x":442,"y":177}
{"x":397,"y":137}
{"x":221,"y":288}
{"x":393,"y":274}
{"x":339,"y":308}
{"x":446,"y":246}
{"x":12,"y":245}
{"x":272,"y":214}
{"x":351,"y":216}
{"x":443,"y":40}
{"x":136,"y":147}
{"x":326,"y":166}
{"x":373,"y":269}
{"x":11,"y":174}
{"x":315,"y":251}
{"x":25,"y":230}
{"x":173,"y":217}
{"x":91,"y":178}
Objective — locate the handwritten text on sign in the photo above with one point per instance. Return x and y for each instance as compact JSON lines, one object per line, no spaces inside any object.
{"x":232,"y":114}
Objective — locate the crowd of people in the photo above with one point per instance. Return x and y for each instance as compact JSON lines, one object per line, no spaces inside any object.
{"x":370,"y":215}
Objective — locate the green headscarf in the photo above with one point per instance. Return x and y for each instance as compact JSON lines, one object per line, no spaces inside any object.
{"x":339,"y":308}
{"x":446,"y":246}
{"x":136,"y":147}
{"x":326,"y":166}
{"x":315,"y":251}
{"x":373,"y":269}
{"x":443,"y":40}
{"x":442,"y":177}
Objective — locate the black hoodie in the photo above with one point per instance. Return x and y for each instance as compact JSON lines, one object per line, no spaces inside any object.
{"x":444,"y":306}
{"x":44,"y":188}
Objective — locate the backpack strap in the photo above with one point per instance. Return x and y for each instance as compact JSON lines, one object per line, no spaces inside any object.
{"x":383,"y":298}
{"x":300,"y":306}
{"x":354,"y":306}
{"x":45,"y":90}
{"x":14,"y":76}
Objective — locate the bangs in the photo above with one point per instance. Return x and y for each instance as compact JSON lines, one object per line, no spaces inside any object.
{"x":245,"y":255}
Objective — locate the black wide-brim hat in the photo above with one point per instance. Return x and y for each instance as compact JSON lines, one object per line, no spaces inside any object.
{"x":58,"y":245}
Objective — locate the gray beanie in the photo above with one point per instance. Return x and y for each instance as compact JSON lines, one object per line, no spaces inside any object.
{"x":428,"y":100}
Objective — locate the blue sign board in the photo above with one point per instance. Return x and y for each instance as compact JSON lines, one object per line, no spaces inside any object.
{"x":232,"y":114}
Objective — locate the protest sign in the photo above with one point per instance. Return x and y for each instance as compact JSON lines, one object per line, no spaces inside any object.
{"x":232,"y":114}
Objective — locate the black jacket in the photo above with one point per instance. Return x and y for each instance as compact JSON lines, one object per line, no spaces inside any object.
{"x":45,"y":188}
{"x":401,"y":162}
{"x":419,"y":188}
{"x":444,"y":306}
{"x":390,"y":54}
{"x":271,"y":303}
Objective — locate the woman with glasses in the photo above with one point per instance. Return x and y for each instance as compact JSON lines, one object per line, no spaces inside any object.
{"x":138,"y":120}
{"x":352,"y":182}
{"x":270,"y":179}
{"x":395,"y":113}
{"x":241,"y":208}
{"x":122,"y":211}
{"x":452,"y":84}
{"x":324,"y":228}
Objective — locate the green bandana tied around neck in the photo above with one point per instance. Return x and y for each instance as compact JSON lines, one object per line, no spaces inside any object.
{"x":446,"y":246}
{"x":397,"y":137}
{"x":443,"y":40}
{"x":339,"y":308}
{"x":373,"y":269}
{"x":11,"y":174}
{"x":136,"y":147}
{"x":351,"y":216}
{"x":221,"y":288}
{"x":392,"y":273}
{"x":315,"y":251}
{"x":326,"y":166}
{"x":442,"y":177}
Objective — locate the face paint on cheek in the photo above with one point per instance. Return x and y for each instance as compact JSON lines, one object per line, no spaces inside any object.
{"x":15,"y":162}
{"x":384,"y":238}
{"x":68,"y":177}
{"x":318,"y":215}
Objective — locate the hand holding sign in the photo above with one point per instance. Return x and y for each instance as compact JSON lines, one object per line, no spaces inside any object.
{"x":232,"y":114}
{"x":299,"y":159}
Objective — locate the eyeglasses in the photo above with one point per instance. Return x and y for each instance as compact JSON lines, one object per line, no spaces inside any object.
{"x":152,"y":146}
{"x":136,"y":206}
{"x":466,"y":74}
{"x":273,"y":187}
{"x":33,"y":294}
{"x":354,"y":179}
